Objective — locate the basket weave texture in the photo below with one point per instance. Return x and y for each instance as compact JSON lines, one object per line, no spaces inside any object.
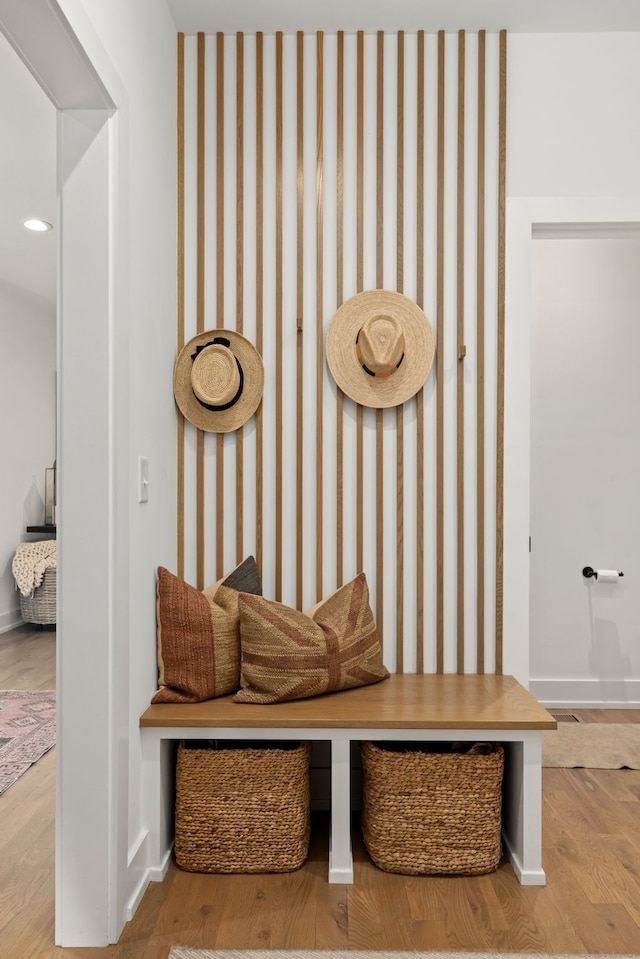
{"x":242,"y":810}
{"x":430,"y":813}
{"x":40,"y":608}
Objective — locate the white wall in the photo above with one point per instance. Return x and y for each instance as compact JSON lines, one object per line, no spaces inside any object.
{"x":572,"y":126}
{"x":573,"y":156}
{"x":118,"y":286}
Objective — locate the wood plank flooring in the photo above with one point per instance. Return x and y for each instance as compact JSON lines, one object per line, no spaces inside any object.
{"x":591,"y":903}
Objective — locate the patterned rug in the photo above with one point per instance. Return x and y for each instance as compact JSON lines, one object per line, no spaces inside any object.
{"x":27,"y":731}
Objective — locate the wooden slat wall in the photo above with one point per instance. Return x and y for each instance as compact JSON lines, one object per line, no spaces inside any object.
{"x":308,"y":156}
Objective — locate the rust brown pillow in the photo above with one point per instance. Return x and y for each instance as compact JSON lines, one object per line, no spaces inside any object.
{"x":198,"y":636}
{"x":286,"y":654}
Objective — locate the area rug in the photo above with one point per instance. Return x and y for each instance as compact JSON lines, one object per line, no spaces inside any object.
{"x":27,"y":731}
{"x":592,"y":745}
{"x":183,"y":952}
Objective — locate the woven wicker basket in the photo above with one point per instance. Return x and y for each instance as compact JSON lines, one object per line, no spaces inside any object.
{"x":41,"y":607}
{"x":430,"y":810}
{"x":242,"y":808}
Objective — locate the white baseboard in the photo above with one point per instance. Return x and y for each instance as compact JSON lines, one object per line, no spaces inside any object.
{"x":526,"y":877}
{"x":587,"y":693}
{"x":10,"y":620}
{"x":150,"y":875}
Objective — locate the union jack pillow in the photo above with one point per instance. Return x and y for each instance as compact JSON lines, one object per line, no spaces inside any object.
{"x":286,"y":654}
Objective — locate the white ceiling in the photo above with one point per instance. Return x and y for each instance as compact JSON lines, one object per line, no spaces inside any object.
{"x":519,"y":16}
{"x":27,"y":183}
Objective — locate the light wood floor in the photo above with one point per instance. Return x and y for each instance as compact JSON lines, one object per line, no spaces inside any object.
{"x":591,"y":903}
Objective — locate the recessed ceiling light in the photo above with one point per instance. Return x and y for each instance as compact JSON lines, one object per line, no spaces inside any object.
{"x":39,"y":226}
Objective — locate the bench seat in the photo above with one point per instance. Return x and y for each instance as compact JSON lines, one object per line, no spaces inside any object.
{"x":404,"y":707}
{"x":404,"y":701}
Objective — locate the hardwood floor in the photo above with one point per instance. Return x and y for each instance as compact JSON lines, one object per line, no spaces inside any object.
{"x":591,"y":903}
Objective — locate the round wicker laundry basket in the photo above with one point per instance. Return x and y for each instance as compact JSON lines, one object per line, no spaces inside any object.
{"x":40,"y":607}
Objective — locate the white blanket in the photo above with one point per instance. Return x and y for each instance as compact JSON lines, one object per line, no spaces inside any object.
{"x":30,"y":562}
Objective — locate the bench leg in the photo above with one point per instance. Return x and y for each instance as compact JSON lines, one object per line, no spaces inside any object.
{"x":158,"y":788}
{"x":340,"y":855}
{"x":522,"y":811}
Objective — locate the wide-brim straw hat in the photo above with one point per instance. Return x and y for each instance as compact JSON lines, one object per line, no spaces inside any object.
{"x":380,"y":348}
{"x":218,"y":380}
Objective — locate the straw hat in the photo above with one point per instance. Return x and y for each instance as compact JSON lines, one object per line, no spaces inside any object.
{"x":380,"y":348}
{"x":218,"y":380}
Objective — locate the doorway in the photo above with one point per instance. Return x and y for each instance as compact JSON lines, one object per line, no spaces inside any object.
{"x":27,"y":313}
{"x":585,"y":460}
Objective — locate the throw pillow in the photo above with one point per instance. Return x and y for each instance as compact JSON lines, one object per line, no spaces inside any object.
{"x":286,"y":654}
{"x":198,"y":636}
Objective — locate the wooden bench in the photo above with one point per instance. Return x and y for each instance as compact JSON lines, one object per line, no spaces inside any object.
{"x":404,"y":707}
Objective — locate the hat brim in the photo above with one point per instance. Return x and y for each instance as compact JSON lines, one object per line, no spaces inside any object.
{"x":225,"y":420}
{"x":380,"y":392}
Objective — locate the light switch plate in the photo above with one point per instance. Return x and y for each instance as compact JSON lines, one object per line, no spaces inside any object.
{"x":143,"y":479}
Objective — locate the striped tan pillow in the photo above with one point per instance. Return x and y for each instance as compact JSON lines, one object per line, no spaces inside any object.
{"x":198,"y":636}
{"x":286,"y":654}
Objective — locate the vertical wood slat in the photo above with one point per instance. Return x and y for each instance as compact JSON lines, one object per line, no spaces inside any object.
{"x":360,"y":287}
{"x":440,"y":367}
{"x":319,"y":312}
{"x":220,"y":288}
{"x":400,"y":408}
{"x":400,"y":165}
{"x":180,"y":300}
{"x":278,"y":370}
{"x":259,"y":290}
{"x":480,"y":347}
{"x":461,"y":355}
{"x":380,"y":160}
{"x":240,"y":279}
{"x":299,"y":315}
{"x":339,"y":299}
{"x":420,"y":394}
{"x":200,"y":306}
{"x":379,"y":285}
{"x":502,"y":159}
